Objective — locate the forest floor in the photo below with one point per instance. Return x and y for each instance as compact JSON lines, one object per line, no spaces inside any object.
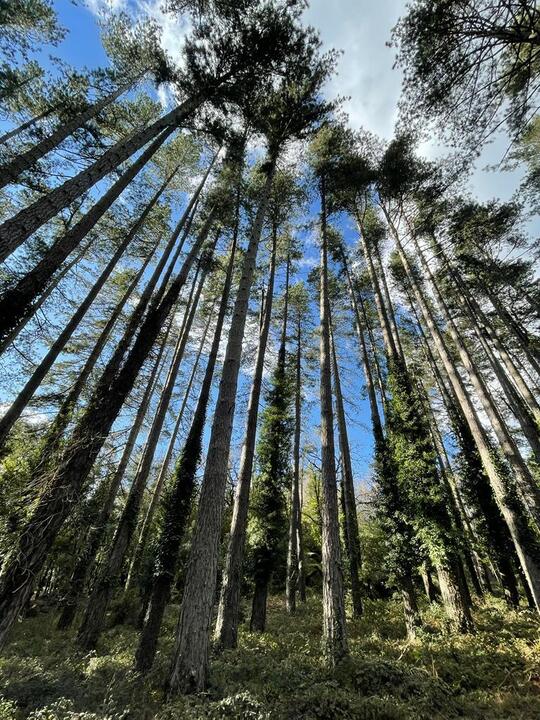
{"x":279,"y":675}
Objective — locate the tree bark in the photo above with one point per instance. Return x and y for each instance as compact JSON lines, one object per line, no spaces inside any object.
{"x":507,"y":500}
{"x":97,"y":530}
{"x":94,"y":618}
{"x":258,"y":607}
{"x":16,"y":303}
{"x":177,"y":502}
{"x":226,"y":631}
{"x":190,"y":660}
{"x":146,"y":525}
{"x":65,"y":489}
{"x":334,"y":640}
{"x":25,"y":160}
{"x":352,"y":534}
{"x":16,"y":230}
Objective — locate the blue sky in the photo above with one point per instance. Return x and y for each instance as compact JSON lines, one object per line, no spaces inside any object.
{"x":365,"y":74}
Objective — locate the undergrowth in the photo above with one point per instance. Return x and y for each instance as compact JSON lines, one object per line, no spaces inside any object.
{"x":493,"y":674}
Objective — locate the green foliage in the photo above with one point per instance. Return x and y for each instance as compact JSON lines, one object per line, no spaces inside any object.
{"x":280,"y":676}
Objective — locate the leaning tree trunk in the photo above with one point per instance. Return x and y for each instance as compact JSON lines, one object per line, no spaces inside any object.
{"x":177,"y":500}
{"x":97,"y":530}
{"x":334,"y":639}
{"x":25,"y":395}
{"x":146,"y":525}
{"x":64,"y":491}
{"x":526,"y":484}
{"x":94,"y":618}
{"x":511,"y":508}
{"x":25,"y":160}
{"x":190,"y":660}
{"x":226,"y":631}
{"x":51,"y":287}
{"x":352,"y":533}
{"x":27,"y":124}
{"x":16,"y":230}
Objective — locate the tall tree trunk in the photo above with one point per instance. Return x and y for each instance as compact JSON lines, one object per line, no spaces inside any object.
{"x":25,"y":160}
{"x":226,"y":630}
{"x":23,"y":398}
{"x":352,"y":534}
{"x":17,"y":301}
{"x":295,"y":549}
{"x":509,"y":504}
{"x":94,"y":618}
{"x":27,"y":124}
{"x":157,"y":490}
{"x":190,"y":660}
{"x":526,"y":484}
{"x":176,"y":503}
{"x":334,"y":639}
{"x":25,"y":560}
{"x":97,"y":530}
{"x":12,"y":336}
{"x":16,"y":230}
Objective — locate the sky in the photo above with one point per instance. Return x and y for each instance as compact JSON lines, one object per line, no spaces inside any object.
{"x":366,"y":78}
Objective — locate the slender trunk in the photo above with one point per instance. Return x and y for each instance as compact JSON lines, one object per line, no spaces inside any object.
{"x":352,"y":533}
{"x":24,"y":161}
{"x":523,"y":339}
{"x":226,"y":630}
{"x":27,"y":124}
{"x":58,"y":426}
{"x":16,"y":230}
{"x":16,"y":303}
{"x":520,"y":398}
{"x":334,"y":637}
{"x":23,"y":398}
{"x":190,"y":660}
{"x":364,"y":355}
{"x":94,"y":618}
{"x":12,"y":336}
{"x":509,"y":504}
{"x":177,"y":501}
{"x":146,"y":525}
{"x":526,"y":484}
{"x":295,"y":549}
{"x":64,"y":491}
{"x":97,"y":531}
{"x":432,"y":592}
{"x":499,"y":542}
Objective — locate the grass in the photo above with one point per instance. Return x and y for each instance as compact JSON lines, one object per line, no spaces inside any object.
{"x":492,"y":675}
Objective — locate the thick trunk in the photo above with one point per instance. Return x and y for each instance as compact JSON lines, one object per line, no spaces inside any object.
{"x":258,"y":607}
{"x":93,"y":621}
{"x":177,"y":501}
{"x":450,"y":580}
{"x":352,"y":533}
{"x":98,"y":529}
{"x":190,"y":662}
{"x":226,"y":630}
{"x":509,"y":504}
{"x":24,"y":161}
{"x":334,"y":639}
{"x":17,"y":229}
{"x":27,"y":557}
{"x":16,"y":303}
{"x":413,"y":621}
